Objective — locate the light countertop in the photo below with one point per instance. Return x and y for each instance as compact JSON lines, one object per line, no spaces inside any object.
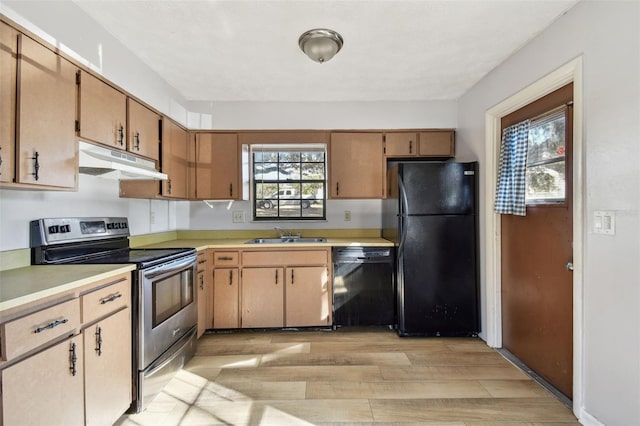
{"x":240,"y":243}
{"x":22,"y":286}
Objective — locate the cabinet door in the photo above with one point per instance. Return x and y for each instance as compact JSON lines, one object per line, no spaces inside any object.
{"x":307,"y":296}
{"x":8,"y":78}
{"x":41,"y":390}
{"x":356,"y":163}
{"x":46,"y":134}
{"x":217,"y":166}
{"x":403,"y":144}
{"x":103,"y":112}
{"x":107,"y":364}
{"x":203,"y":324}
{"x":226,"y":296}
{"x":144,"y":130}
{"x":262,"y":297}
{"x":175,"y":160}
{"x":437,"y":143}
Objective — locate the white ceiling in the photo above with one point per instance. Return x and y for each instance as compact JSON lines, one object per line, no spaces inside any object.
{"x":393,"y":50}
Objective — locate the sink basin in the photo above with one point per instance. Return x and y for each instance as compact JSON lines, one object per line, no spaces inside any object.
{"x":286,"y":240}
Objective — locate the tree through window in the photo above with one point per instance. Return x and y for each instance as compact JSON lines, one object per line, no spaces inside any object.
{"x":289,"y":182}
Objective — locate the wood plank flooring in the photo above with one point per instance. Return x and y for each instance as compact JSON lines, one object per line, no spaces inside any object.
{"x":349,"y":376}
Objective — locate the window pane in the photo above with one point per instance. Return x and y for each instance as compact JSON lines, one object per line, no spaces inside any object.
{"x":546,"y":182}
{"x":546,"y":139}
{"x":313,"y":171}
{"x":289,"y":171}
{"x":288,"y":156}
{"x":312,"y":156}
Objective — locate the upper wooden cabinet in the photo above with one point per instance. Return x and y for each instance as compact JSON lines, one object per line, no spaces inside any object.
{"x":8,"y":78}
{"x":46,"y":113}
{"x":401,"y":144}
{"x":143,"y":137}
{"x":175,"y":160}
{"x":356,"y":165}
{"x":431,"y":143}
{"x":217,"y":166}
{"x":436,"y":143}
{"x":103,"y":112}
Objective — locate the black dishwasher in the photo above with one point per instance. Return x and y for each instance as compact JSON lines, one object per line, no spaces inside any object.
{"x":363,"y":286}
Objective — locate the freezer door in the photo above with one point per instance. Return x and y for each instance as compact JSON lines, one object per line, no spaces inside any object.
{"x":437,"y":277}
{"x":438,"y":188}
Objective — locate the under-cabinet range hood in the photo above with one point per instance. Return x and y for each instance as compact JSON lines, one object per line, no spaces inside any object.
{"x":115,"y":164}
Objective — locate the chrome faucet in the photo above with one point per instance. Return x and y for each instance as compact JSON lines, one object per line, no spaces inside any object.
{"x":286,"y":233}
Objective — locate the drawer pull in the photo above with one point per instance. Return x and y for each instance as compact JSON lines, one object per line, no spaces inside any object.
{"x":99,"y":341}
{"x":51,"y":325}
{"x":230,"y":277}
{"x":73,"y":358}
{"x":110,"y":298}
{"x":200,"y":262}
{"x":225,"y":258}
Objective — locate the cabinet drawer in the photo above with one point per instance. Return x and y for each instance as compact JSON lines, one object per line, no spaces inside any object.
{"x":285,"y":258}
{"x":225,"y":258}
{"x":102,"y":302}
{"x":202,"y":261}
{"x":24,"y":334}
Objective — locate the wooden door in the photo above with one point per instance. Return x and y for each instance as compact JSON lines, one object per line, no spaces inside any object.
{"x":401,"y":144}
{"x":175,"y":160}
{"x":41,"y":390}
{"x":226,"y":298}
{"x":107,"y":364}
{"x":103,"y":112}
{"x":537,"y":287}
{"x":144,"y":130}
{"x":356,"y":164}
{"x":307,"y":296}
{"x":217,"y":166}
{"x":262,"y":299}
{"x":436,"y":143}
{"x":8,"y":79}
{"x":46,"y":134}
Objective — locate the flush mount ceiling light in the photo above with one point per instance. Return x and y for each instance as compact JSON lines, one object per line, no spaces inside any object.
{"x":320,"y":44}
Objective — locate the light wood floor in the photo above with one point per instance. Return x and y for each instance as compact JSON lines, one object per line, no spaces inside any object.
{"x":349,"y":376}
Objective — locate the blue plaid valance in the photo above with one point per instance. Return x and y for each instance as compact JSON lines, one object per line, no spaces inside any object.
{"x":510,"y":191}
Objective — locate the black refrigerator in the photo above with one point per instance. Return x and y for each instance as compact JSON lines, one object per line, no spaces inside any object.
{"x":431,"y":215}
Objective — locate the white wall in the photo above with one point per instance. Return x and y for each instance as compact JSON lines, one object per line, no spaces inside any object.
{"x":95,"y":197}
{"x":607,"y":35}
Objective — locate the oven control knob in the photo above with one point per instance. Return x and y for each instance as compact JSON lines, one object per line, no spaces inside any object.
{"x":123,"y":225}
{"x":65,"y":228}
{"x":109,"y":225}
{"x":53,"y":229}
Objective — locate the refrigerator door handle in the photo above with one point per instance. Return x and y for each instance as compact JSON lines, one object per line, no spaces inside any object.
{"x":403,"y":213}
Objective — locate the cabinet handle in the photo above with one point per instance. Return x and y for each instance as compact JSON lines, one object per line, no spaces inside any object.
{"x":201,"y":282}
{"x":110,"y":298}
{"x":337,"y":188}
{"x":230,"y":277}
{"x":169,"y":186}
{"x":99,"y":341}
{"x":225,"y":258}
{"x":51,"y":325}
{"x":36,"y":165}
{"x":73,"y":358}
{"x":121,"y":135}
{"x":137,"y":144}
{"x":292,"y":277}
{"x":231,"y":190}
{"x":410,"y":147}
{"x":276,"y":277}
{"x":0,"y":161}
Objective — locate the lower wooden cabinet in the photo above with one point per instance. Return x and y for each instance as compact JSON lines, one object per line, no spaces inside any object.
{"x":226,"y":297}
{"x":205,"y":293}
{"x":307,"y":296}
{"x":46,"y":388}
{"x":107,"y":366}
{"x":262,"y":298}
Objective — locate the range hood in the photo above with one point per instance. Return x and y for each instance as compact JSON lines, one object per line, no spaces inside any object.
{"x":115,"y":164}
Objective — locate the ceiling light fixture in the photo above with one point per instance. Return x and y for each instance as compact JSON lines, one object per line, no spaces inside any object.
{"x":320,"y":44}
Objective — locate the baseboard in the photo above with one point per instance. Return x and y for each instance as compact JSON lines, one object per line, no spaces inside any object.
{"x":587,"y":419}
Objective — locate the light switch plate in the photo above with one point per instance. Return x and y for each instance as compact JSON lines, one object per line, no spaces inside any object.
{"x":238,"y":216}
{"x":347,"y":215}
{"x":604,"y":222}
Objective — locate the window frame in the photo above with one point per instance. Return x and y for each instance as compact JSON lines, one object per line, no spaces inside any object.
{"x":299,"y":148}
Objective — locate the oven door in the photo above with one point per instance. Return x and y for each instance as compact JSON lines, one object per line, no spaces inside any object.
{"x":167,"y":306}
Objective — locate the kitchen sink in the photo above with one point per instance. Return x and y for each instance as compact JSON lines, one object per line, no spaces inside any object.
{"x":286,"y":240}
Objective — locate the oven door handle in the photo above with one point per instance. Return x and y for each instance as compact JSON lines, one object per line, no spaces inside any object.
{"x":172,"y":267}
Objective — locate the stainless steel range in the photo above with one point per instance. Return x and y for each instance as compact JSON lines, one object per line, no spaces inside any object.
{"x":163,"y":294}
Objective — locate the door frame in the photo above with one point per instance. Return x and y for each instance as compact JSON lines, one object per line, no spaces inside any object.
{"x":570,"y":72}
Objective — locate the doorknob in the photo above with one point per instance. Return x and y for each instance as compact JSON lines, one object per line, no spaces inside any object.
{"x":569,"y":266}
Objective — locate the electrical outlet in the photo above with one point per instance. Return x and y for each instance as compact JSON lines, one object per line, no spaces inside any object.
{"x":238,"y":216}
{"x":347,"y":215}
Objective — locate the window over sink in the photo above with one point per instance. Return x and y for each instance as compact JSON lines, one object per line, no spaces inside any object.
{"x":288,"y":182}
